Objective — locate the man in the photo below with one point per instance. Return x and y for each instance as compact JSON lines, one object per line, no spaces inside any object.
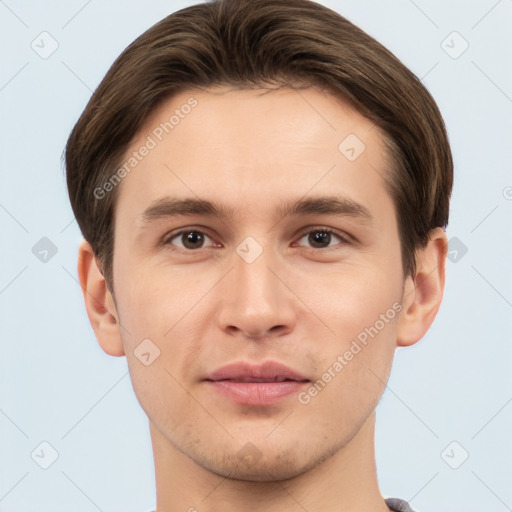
{"x":262,"y":189}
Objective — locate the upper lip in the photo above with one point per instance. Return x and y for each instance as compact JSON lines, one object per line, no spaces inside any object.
{"x":269,"y":371}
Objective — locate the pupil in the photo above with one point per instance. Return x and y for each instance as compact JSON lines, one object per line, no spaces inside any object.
{"x":320,"y":238}
{"x":193,"y":240}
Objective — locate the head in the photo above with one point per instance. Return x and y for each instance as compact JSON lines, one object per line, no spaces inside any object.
{"x":258,"y":119}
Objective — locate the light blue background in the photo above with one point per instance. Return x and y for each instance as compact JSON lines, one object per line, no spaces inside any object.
{"x":58,"y":386}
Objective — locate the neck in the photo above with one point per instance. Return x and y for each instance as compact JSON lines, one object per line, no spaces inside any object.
{"x":345,"y":482}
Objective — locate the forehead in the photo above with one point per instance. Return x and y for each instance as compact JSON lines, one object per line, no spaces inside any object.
{"x":258,"y":144}
{"x":254,"y":115}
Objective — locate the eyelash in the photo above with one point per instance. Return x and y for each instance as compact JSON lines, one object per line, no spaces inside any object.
{"x":344,"y":238}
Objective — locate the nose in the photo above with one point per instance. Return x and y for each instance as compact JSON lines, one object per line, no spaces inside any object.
{"x":256,"y":303}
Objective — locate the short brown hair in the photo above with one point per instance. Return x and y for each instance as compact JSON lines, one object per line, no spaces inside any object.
{"x":254,"y":44}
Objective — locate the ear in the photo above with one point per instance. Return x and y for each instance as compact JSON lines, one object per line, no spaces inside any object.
{"x":99,"y":302}
{"x":423,"y":292}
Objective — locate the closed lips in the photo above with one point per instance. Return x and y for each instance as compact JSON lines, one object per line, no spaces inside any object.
{"x":244,"y":371}
{"x":255,"y":379}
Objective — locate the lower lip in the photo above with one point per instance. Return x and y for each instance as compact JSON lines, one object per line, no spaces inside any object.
{"x":257,"y":393}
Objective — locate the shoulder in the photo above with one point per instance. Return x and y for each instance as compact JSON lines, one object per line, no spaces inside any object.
{"x":398,"y":505}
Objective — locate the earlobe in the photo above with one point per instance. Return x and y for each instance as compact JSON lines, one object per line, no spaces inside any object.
{"x":423,"y":292}
{"x":99,"y":302}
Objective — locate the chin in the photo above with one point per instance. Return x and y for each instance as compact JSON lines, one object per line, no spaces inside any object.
{"x":251,"y":465}
{"x":262,"y":471}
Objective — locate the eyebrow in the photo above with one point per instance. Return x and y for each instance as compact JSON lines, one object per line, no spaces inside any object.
{"x":168,"y":207}
{"x":329,"y":205}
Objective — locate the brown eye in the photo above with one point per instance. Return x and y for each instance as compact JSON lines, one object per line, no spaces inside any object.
{"x":321,"y":239}
{"x":190,"y":239}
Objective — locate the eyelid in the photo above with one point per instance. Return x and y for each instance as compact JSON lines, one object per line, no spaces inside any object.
{"x":166,"y":240}
{"x":345,"y":237}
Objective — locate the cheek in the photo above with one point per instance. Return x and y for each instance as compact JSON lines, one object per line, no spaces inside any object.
{"x":352,"y":372}
{"x":157,"y":390}
{"x":163,"y":313}
{"x":353,"y":296}
{"x":148,"y":300}
{"x":361,"y":308}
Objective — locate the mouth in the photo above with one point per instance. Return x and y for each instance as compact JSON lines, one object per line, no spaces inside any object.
{"x":277,"y":378}
{"x":256,"y":385}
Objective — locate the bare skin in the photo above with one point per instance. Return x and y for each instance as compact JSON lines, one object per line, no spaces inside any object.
{"x":301,"y":302}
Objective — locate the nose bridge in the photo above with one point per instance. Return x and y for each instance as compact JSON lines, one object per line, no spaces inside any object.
{"x":255,"y":284}
{"x":256,"y":300}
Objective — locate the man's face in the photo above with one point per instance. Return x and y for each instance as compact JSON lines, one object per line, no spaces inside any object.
{"x":263,"y":283}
